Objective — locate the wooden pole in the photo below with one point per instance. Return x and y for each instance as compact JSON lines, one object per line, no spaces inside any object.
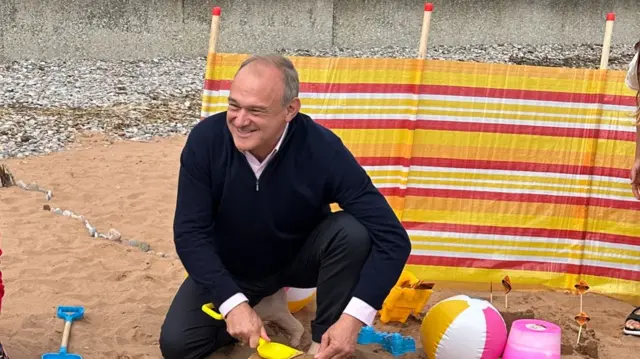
{"x":424,"y":35}
{"x":215,"y":28}
{"x":209,"y":72}
{"x":606,"y":43}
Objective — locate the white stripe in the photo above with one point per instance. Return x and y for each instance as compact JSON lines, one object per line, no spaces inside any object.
{"x":501,"y":257}
{"x":465,"y":180}
{"x":630,"y":119}
{"x":403,"y":186}
{"x":517,"y":173}
{"x":512,"y":238}
{"x":453,"y":98}
{"x":628,"y":198}
{"x":493,"y":247}
{"x":504,"y":121}
{"x":387,"y":168}
{"x":390,"y":185}
{"x":413,"y":175}
{"x":399,"y":178}
{"x":427,"y":169}
{"x":627,"y":125}
{"x":475,"y":181}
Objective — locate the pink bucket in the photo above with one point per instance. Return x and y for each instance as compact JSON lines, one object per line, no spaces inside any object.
{"x":533,"y":339}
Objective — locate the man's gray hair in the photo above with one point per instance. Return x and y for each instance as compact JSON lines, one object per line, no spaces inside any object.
{"x":289,"y":74}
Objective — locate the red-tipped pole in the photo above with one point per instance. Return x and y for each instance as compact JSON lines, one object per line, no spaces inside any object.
{"x":215,"y":28}
{"x":424,"y":35}
{"x":606,"y":43}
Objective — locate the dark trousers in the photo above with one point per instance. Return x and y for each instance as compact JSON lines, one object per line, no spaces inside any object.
{"x":330,"y":260}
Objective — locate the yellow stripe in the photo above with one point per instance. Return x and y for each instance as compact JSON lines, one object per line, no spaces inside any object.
{"x":482,"y":146}
{"x":623,"y":288}
{"x":498,"y":141}
{"x":540,"y":220}
{"x":437,"y":72}
{"x":461,"y":210}
{"x":357,"y":64}
{"x":436,"y":323}
{"x":516,"y":251}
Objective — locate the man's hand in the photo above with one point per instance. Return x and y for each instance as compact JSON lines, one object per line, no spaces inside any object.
{"x":635,"y":179}
{"x":244,"y":324}
{"x":339,"y":341}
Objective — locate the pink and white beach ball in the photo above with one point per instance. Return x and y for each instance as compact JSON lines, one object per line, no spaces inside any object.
{"x":463,"y":327}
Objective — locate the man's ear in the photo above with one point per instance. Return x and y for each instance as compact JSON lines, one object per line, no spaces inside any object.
{"x":293,"y":109}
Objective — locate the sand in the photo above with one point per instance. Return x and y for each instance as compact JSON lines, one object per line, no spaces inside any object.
{"x":50,"y":260}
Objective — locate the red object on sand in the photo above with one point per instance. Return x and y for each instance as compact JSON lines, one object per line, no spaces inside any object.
{"x":428,"y":6}
{"x":611,"y":16}
{"x":1,"y":286}
{"x":216,"y":11}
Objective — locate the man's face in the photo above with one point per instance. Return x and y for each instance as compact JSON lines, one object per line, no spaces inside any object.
{"x":255,"y":115}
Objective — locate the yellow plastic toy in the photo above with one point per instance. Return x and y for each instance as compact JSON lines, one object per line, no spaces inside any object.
{"x":271,"y":350}
{"x":208,"y":308}
{"x":408,"y":296}
{"x":266,"y":350}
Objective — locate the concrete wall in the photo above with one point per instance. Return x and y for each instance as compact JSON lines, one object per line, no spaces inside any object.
{"x":152,"y":28}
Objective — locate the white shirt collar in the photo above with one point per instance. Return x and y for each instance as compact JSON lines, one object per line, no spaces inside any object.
{"x":277,"y":148}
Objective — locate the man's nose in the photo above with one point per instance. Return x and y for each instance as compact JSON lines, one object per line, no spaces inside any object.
{"x":242,"y":119}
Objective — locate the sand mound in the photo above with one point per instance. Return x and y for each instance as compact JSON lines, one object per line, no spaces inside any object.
{"x":51,"y":260}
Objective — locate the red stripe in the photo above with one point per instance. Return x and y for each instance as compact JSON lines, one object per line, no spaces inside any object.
{"x":518,"y":197}
{"x":559,"y":268}
{"x":315,"y":87}
{"x":495,"y":165}
{"x":478,"y":127}
{"x":367,"y":124}
{"x":523,"y":232}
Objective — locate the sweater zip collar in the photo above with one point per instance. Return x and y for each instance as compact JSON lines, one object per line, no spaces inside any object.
{"x":286,"y":135}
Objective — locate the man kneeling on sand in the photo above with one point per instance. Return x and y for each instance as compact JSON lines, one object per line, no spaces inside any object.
{"x":253,"y":216}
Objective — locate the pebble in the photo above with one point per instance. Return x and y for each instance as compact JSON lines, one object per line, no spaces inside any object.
{"x":44,"y":105}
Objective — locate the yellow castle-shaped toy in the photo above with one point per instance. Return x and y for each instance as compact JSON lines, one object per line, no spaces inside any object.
{"x":407,"y":297}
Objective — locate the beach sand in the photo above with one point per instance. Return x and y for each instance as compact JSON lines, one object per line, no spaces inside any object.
{"x":50,"y":260}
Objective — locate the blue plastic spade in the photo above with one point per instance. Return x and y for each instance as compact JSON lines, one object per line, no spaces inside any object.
{"x":69,"y":314}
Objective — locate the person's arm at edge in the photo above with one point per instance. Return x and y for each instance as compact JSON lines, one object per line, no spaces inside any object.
{"x":193,"y":225}
{"x":352,"y":189}
{"x":635,"y":168}
{"x":638,"y":141}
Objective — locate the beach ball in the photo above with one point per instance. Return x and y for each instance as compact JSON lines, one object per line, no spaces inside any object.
{"x":462,"y":327}
{"x":298,"y":298}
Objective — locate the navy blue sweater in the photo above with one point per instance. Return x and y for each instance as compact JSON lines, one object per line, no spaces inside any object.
{"x":227,"y":223}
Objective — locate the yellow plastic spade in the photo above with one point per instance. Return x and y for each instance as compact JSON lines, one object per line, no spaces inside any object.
{"x":266,"y":350}
{"x":271,"y":350}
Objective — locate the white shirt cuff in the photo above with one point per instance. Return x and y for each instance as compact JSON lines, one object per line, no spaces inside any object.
{"x":231,"y":303}
{"x":360,"y":310}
